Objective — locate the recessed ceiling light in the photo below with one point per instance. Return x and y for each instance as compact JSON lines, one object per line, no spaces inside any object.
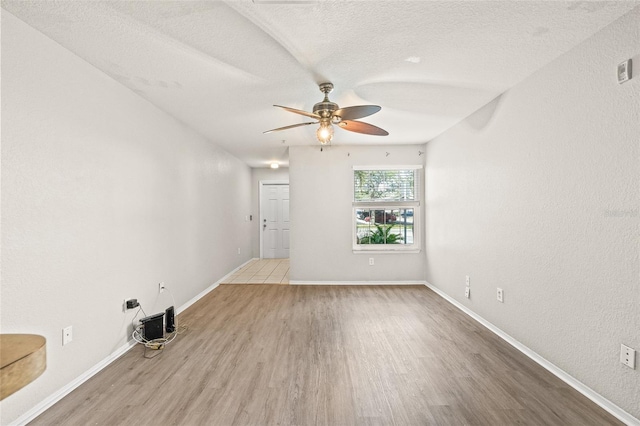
{"x":275,"y":165}
{"x":413,"y":59}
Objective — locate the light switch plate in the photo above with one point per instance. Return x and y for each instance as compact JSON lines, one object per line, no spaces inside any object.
{"x":624,"y":71}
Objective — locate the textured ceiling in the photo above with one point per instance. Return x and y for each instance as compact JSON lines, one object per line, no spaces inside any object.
{"x":219,"y":66}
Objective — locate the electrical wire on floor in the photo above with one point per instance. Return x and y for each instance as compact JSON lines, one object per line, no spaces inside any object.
{"x":159,"y":343}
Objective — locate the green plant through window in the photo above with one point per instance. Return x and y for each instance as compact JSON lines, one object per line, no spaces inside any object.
{"x":382,"y":235}
{"x":389,"y":226}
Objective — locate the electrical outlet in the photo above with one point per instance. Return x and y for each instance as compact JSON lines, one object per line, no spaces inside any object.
{"x":161,"y":287}
{"x":467,"y":292}
{"x":500,"y":295}
{"x":131,"y":303}
{"x":67,"y":335}
{"x":467,"y":280}
{"x":628,"y":356}
{"x":238,"y":250}
{"x":371,"y":261}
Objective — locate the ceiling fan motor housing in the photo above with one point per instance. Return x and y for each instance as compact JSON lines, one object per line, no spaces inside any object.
{"x":325,"y":108}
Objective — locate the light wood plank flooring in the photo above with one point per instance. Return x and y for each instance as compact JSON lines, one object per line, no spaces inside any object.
{"x":326,"y":355}
{"x":261,"y":271}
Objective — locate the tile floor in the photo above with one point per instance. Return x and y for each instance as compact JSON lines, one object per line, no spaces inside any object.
{"x":261,"y":271}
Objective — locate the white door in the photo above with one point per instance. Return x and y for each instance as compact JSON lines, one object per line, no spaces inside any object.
{"x":275,"y":221}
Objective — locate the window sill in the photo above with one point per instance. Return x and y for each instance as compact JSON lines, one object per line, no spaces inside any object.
{"x":386,"y":251}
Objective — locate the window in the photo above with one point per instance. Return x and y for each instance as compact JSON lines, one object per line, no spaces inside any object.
{"x":386,"y":209}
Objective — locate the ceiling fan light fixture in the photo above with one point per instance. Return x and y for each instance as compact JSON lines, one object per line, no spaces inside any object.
{"x":325,"y":132}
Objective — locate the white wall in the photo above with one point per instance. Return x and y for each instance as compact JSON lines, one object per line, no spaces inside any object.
{"x":257,"y":175}
{"x":321,"y":215}
{"x":103,"y":196}
{"x":538,"y":194}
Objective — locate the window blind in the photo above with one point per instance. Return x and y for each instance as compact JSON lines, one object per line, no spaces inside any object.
{"x":384,"y":185}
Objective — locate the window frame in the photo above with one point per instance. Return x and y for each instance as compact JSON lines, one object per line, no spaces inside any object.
{"x":416,"y":246}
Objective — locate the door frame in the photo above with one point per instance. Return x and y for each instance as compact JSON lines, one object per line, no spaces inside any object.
{"x":260,"y":208}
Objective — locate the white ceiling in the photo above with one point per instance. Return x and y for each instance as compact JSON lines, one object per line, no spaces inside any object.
{"x":220,"y":66}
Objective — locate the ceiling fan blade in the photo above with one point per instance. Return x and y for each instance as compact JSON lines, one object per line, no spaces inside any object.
{"x":299,"y":111}
{"x":359,"y":111}
{"x":361,"y":127}
{"x":290,"y":127}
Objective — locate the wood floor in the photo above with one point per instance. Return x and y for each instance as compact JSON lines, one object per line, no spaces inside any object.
{"x":326,"y":355}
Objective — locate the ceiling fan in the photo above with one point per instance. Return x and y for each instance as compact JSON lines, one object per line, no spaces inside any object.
{"x":328,"y":113}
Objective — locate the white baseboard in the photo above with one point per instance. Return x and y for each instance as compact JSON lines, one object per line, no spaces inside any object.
{"x":64,"y":391}
{"x":410,"y":282}
{"x":607,"y":405}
